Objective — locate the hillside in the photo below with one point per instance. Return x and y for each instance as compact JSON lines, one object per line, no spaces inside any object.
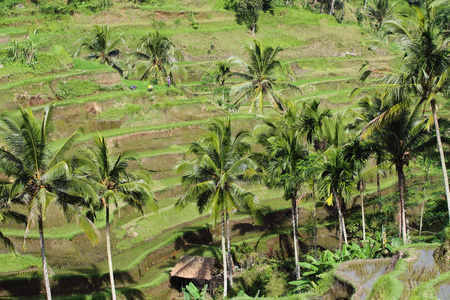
{"x":321,"y":56}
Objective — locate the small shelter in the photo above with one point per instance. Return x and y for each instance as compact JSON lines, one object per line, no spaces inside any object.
{"x":196,"y":269}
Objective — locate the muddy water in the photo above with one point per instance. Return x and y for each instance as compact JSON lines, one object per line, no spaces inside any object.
{"x":364,"y":274}
{"x":422,"y":269}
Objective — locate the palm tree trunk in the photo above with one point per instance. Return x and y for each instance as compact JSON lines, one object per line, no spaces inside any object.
{"x":342,"y":231}
{"x":294,"y":234}
{"x":401,"y":189}
{"x":108,"y":250}
{"x":224,"y":258}
{"x":421,"y":217}
{"x":423,"y":202}
{"x":363,"y":219}
{"x":230,"y":261}
{"x":314,"y":220}
{"x":441,"y":154}
{"x":380,"y":205}
{"x":44,"y":258}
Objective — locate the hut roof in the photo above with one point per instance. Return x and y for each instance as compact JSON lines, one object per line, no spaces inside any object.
{"x":194,"y":267}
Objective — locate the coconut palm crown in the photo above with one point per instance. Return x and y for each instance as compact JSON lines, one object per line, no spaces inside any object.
{"x":41,"y":173}
{"x":260,"y":81}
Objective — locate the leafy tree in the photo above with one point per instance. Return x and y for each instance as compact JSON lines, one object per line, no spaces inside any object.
{"x":247,"y":11}
{"x":103,"y":47}
{"x":281,"y":137}
{"x":260,"y":80}
{"x":220,"y":162}
{"x":156,"y":54}
{"x":115,"y":183}
{"x":41,"y":174}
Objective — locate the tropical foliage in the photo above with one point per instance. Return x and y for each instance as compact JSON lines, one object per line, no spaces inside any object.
{"x":114,"y":185}
{"x":156,"y":56}
{"x":220,"y":162}
{"x":102,"y":46}
{"x":259,"y":77}
{"x":41,"y":174}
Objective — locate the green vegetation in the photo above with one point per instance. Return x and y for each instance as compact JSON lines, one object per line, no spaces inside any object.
{"x":16,"y":262}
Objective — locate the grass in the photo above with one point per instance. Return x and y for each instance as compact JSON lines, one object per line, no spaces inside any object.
{"x":17,"y":262}
{"x":388,"y":286}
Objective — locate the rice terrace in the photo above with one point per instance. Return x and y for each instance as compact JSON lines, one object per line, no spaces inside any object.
{"x":224,"y":149}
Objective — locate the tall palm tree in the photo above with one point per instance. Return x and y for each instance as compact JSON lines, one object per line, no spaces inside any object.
{"x":157,"y":55}
{"x":220,"y":162}
{"x":103,"y":47}
{"x":311,"y":125}
{"x":400,"y":137}
{"x":260,"y":81}
{"x":114,"y":184}
{"x":424,"y":68}
{"x":368,"y":109}
{"x":357,"y":154}
{"x":282,"y":139}
{"x":41,"y":173}
{"x":336,"y":178}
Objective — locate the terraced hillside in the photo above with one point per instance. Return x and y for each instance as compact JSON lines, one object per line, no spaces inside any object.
{"x":321,"y":57}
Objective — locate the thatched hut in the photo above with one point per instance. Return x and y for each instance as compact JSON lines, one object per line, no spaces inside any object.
{"x":196,"y":269}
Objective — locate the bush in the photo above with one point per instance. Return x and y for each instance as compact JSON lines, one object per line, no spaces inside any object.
{"x":57,"y":8}
{"x":22,"y":52}
{"x":9,"y":4}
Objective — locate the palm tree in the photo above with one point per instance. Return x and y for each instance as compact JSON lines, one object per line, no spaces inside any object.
{"x":368,"y":109}
{"x":156,"y":54}
{"x":223,"y":71}
{"x":378,"y":13}
{"x":212,"y":177}
{"x":357,"y":154}
{"x":103,"y":47}
{"x":115,"y":183}
{"x":424,"y":68}
{"x":311,"y":125}
{"x":336,"y":184}
{"x":312,"y":122}
{"x":400,"y":137}
{"x":260,"y":80}
{"x":281,"y":137}
{"x":41,"y":174}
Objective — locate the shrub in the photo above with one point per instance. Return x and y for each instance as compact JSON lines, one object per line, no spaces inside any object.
{"x":56,"y":8}
{"x":23,"y":52}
